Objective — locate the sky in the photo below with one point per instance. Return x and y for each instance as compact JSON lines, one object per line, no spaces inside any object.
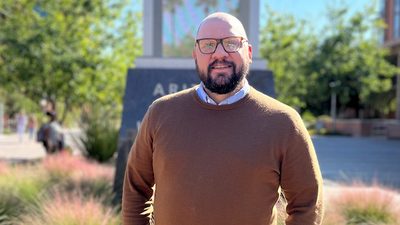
{"x":313,"y":11}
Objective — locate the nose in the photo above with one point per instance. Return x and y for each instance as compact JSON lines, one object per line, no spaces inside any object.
{"x":219,"y":52}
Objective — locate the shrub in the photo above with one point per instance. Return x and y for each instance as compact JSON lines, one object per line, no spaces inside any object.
{"x":24,"y":190}
{"x":363,"y":205}
{"x":97,"y":189}
{"x":11,"y":207}
{"x":74,"y":173}
{"x":309,"y":119}
{"x":25,"y":182}
{"x":100,"y":135}
{"x":20,"y":190}
{"x":72,"y":209}
{"x":64,"y":166}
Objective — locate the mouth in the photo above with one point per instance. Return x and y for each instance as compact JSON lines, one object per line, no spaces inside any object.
{"x":220,"y":67}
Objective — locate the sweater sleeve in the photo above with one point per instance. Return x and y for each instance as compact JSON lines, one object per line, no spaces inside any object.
{"x":301,"y":179}
{"x":139,"y":177}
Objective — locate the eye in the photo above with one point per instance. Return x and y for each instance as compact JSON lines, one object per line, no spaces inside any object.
{"x":232,"y":44}
{"x":208,"y":44}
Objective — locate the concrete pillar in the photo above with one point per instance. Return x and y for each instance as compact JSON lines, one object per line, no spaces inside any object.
{"x":152,"y":28}
{"x":249,"y":14}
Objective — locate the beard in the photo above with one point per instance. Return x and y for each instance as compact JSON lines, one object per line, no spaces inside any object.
{"x":230,"y":82}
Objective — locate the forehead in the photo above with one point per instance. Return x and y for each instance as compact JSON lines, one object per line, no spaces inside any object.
{"x":220,"y":28}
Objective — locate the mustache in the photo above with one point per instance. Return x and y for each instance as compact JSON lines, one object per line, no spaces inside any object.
{"x":221,"y":62}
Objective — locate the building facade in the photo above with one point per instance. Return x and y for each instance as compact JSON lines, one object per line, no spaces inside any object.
{"x":391,"y":39}
{"x":391,"y":14}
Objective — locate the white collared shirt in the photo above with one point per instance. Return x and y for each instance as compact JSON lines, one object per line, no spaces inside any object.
{"x":232,"y":99}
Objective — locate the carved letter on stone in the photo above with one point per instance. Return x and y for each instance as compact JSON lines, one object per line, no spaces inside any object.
{"x":158,"y":90}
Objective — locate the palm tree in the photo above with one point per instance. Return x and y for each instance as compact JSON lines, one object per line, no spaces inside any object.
{"x":207,"y":5}
{"x":170,"y":6}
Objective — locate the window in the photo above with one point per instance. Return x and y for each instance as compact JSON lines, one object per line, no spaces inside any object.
{"x":180,"y":21}
{"x":396,"y":19}
{"x":381,"y":31}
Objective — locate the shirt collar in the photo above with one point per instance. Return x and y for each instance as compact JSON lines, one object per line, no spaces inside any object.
{"x":232,"y":99}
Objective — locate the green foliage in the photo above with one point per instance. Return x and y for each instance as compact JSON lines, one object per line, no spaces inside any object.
{"x":70,"y":50}
{"x":308,"y":118}
{"x":10,"y":207}
{"x":371,"y":215}
{"x":350,"y":56}
{"x":19,"y":192}
{"x":347,"y":54}
{"x":27,"y":186}
{"x":90,"y":188}
{"x":16,"y":102}
{"x":71,"y":209}
{"x":31,"y":195}
{"x":288,"y":48}
{"x":184,"y":49}
{"x":100,"y":134}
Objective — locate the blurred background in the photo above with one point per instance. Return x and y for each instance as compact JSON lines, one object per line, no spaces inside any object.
{"x":329,"y":58}
{"x":63,"y":74}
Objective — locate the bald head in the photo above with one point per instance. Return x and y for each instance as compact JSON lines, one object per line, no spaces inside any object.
{"x":220,"y":25}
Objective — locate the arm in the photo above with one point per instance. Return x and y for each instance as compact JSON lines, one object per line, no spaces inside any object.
{"x":301,"y":179}
{"x":139,"y":177}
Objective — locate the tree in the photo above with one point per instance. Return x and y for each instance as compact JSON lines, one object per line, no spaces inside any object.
{"x":288,"y":48}
{"x":350,"y":55}
{"x":184,"y":49}
{"x":71,"y":51}
{"x":170,"y":6}
{"x":208,"y":5}
{"x":346,"y":58}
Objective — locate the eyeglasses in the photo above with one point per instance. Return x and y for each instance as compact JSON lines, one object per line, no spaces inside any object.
{"x":230,"y":44}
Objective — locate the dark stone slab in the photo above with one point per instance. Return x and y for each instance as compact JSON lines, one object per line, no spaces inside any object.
{"x":146,"y":85}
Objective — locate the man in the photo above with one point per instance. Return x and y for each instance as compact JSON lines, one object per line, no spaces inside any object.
{"x":51,"y":134}
{"x":219,"y":152}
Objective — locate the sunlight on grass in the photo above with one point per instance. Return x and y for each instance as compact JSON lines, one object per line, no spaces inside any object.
{"x":64,"y":165}
{"x":33,"y":190}
{"x":64,"y":189}
{"x":71,"y":209}
{"x":362,"y":205}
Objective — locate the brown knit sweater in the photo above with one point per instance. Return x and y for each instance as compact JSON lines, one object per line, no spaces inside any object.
{"x":221,"y":165}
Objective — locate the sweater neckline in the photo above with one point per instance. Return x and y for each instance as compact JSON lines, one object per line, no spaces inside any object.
{"x":219,"y":107}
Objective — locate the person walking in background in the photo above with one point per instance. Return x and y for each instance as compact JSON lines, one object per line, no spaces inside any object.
{"x":219,"y":153}
{"x":51,"y":134}
{"x":31,"y":126}
{"x":21,"y":125}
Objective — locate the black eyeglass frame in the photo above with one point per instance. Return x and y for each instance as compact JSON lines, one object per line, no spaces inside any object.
{"x":220,"y":41}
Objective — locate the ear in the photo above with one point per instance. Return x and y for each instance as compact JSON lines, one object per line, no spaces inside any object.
{"x":250,"y":52}
{"x":194,"y":52}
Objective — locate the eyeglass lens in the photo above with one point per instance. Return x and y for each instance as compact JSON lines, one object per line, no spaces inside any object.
{"x":230,"y":44}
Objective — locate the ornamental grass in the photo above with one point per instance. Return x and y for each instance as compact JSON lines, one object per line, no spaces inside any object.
{"x":70,"y":190}
{"x":71,"y":209}
{"x":24,"y":188}
{"x":362,"y":205}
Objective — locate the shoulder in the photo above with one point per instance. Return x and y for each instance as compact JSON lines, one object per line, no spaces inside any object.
{"x":175,"y":97}
{"x":274,"y":108}
{"x":171,"y":103}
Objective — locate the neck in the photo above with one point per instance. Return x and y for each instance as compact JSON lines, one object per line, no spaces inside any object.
{"x":218,"y":98}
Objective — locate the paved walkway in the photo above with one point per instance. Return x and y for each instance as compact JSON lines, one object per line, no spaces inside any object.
{"x":363,"y":159}
{"x":11,"y":148}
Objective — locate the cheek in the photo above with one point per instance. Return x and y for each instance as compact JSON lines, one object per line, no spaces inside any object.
{"x":238,"y":62}
{"x":202,"y":62}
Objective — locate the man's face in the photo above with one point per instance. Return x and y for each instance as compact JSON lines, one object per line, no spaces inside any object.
{"x":221,"y":72}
